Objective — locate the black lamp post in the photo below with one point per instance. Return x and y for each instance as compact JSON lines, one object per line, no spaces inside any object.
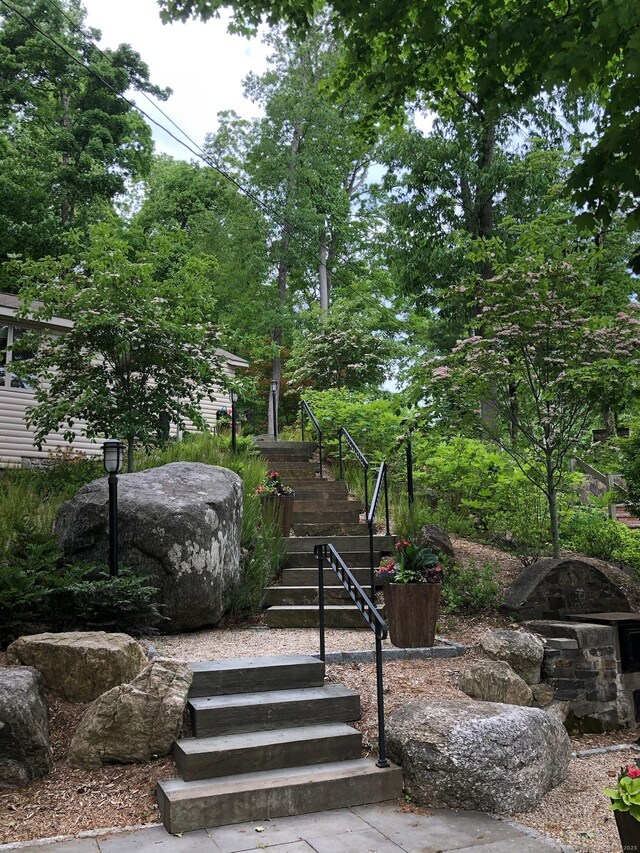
{"x":274,"y":401}
{"x":234,"y":400}
{"x":113,"y":457}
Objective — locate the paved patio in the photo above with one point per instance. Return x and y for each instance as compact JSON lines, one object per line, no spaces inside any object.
{"x":378,"y":828}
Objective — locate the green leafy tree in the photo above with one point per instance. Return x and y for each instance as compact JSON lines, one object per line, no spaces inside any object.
{"x":142,"y":342}
{"x":535,"y":340}
{"x":498,"y":53}
{"x":68,"y":141}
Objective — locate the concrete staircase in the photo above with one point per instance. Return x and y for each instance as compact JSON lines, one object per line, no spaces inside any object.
{"x":270,"y":740}
{"x":322,"y":513}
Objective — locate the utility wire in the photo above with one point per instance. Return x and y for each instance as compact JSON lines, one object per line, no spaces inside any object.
{"x":196,"y":151}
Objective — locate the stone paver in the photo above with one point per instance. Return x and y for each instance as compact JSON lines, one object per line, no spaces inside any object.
{"x":377,"y":828}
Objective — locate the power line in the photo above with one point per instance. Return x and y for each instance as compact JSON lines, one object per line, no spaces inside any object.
{"x":197,"y":151}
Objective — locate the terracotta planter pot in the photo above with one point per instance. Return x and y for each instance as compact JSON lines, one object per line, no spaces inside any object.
{"x":411,"y":613}
{"x":628,"y":830}
{"x":279,"y":510}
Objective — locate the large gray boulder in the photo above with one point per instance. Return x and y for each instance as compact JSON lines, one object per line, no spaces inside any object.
{"x":179,"y":524}
{"x":554,"y":589}
{"x":524,"y":652}
{"x":478,"y":755}
{"x":78,"y":666}
{"x":134,"y":722}
{"x":25,"y":753}
{"x":495,"y":681}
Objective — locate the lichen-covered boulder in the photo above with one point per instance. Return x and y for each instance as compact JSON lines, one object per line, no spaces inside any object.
{"x":134,"y":722}
{"x":434,"y":537}
{"x":554,"y":589}
{"x":179,"y":524}
{"x":495,"y":681}
{"x":478,"y":755}
{"x":524,"y":652}
{"x":25,"y":753}
{"x":542,"y":695}
{"x":78,"y":666}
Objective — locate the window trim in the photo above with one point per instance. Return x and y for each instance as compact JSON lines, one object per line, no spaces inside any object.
{"x":5,"y":381}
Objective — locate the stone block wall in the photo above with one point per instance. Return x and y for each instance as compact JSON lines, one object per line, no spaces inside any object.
{"x":582,"y":665}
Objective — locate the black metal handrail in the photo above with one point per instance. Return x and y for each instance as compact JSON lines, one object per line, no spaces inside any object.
{"x":381,"y":483}
{"x":305,"y":408}
{"x":343,"y":432}
{"x":371,"y":616}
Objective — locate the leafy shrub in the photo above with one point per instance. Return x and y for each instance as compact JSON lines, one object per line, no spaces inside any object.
{"x":590,"y":532}
{"x":469,"y":589}
{"x":40,"y":592}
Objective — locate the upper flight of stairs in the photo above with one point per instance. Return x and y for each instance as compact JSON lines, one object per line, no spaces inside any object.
{"x":322,"y":513}
{"x":270,"y":740}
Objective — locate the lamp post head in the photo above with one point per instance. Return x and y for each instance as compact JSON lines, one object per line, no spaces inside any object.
{"x":234,"y":397}
{"x":274,"y":386}
{"x":113,"y":455}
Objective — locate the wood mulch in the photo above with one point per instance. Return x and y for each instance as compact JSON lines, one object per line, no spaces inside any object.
{"x":69,"y":801}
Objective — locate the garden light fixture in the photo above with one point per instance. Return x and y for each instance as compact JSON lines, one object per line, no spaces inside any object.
{"x":274,"y":402}
{"x":234,"y":400}
{"x":113,"y":458}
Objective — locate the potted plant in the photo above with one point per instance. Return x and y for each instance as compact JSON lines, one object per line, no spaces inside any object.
{"x":277,"y":501}
{"x":625,"y":804}
{"x":412,"y":579}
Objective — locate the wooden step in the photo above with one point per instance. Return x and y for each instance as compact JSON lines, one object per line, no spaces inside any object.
{"x":285,"y":446}
{"x":306,"y":616}
{"x":187,"y":806}
{"x":328,"y":529}
{"x":343,"y":544}
{"x":349,"y":514}
{"x":353,"y":559}
{"x":212,"y":757}
{"x":262,"y":711}
{"x":252,"y":675}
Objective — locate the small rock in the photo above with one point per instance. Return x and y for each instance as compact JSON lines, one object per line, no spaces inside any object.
{"x":25,"y":753}
{"x":79,"y":666}
{"x":495,"y":681}
{"x":437,"y":539}
{"x":134,"y":722}
{"x":542,"y":695}
{"x":524,"y":652}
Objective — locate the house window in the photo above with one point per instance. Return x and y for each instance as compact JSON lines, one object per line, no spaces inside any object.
{"x":9,"y":337}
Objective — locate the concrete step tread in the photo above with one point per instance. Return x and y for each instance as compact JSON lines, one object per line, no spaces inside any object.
{"x":268,"y":697}
{"x":253,"y":740}
{"x":178,"y":789}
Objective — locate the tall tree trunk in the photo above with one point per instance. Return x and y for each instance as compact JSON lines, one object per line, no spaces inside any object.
{"x":283,"y":276}
{"x":322,"y":271}
{"x":130,"y":453}
{"x":66,"y":208}
{"x":552,"y":498}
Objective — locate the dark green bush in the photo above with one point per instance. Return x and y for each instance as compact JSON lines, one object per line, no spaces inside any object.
{"x":469,"y":589}
{"x":592,"y":533}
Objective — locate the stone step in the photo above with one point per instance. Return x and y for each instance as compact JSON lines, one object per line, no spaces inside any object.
{"x":305,"y":483}
{"x":330,"y":514}
{"x":303,"y":471}
{"x":187,"y":806}
{"x":306,"y":616}
{"x":334,"y":505}
{"x":253,"y":675}
{"x":289,"y":460}
{"x":307,"y":560}
{"x":213,"y":757}
{"x":342,"y":543}
{"x":321,"y":496}
{"x":284,"y":596}
{"x":272,"y":709}
{"x":328,"y":529}
{"x":299,"y":576}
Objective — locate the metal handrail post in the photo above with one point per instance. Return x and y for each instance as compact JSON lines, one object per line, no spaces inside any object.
{"x":410,"y":493}
{"x":302,"y":420}
{"x":372,"y":568}
{"x":319,"y":549}
{"x":320,"y":452}
{"x":340,"y":456}
{"x":366,"y":489}
{"x":382,"y":747}
{"x":386,"y":503}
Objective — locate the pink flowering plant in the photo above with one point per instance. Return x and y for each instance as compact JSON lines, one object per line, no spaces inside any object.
{"x":625,"y":796}
{"x":411,"y":563}
{"x":273,"y":485}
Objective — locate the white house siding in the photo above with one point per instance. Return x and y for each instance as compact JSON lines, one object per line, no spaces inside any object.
{"x":16,"y":440}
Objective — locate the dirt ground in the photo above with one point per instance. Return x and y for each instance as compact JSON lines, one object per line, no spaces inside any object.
{"x":69,"y":801}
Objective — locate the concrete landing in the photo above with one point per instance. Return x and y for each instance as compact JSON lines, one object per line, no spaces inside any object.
{"x":379,"y":828}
